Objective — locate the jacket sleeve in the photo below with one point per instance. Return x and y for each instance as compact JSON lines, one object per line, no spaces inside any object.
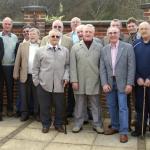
{"x":17,"y":63}
{"x":36,"y":68}
{"x":103,"y":71}
{"x":1,"y":49}
{"x":73,"y":65}
{"x":66,"y":74}
{"x":131,"y":66}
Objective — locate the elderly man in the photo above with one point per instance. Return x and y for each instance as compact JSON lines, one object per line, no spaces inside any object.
{"x":23,"y":71}
{"x":84,"y":76}
{"x":117,"y":69}
{"x":73,"y":34}
{"x":142,"y":77}
{"x":50,"y":76}
{"x":10,"y":40}
{"x":115,"y":23}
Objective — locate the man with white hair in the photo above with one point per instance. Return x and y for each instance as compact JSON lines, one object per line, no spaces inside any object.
{"x":85,"y":79}
{"x":50,"y":76}
{"x":142,"y":77}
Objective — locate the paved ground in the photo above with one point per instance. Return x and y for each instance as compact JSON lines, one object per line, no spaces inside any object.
{"x":16,"y":135}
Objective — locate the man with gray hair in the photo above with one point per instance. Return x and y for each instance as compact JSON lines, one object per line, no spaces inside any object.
{"x":85,"y":79}
{"x":10,"y":40}
{"x":50,"y":76}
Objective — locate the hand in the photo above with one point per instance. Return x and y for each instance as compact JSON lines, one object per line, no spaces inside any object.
{"x":128,"y":89}
{"x":15,"y":77}
{"x":106,"y":88}
{"x":140,"y":81}
{"x":65,"y":82}
{"x":147,"y":83}
{"x":75,"y":86}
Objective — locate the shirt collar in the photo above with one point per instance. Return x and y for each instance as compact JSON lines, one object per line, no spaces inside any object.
{"x":8,"y":34}
{"x":51,"y":47}
{"x":116,"y":45}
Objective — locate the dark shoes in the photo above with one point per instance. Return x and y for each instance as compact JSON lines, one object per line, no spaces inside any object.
{"x":60,"y":129}
{"x":24,"y":118}
{"x":135,"y":133}
{"x":1,"y":118}
{"x":110,"y":131}
{"x":10,"y":114}
{"x":123,"y":138}
{"x":45,"y":130}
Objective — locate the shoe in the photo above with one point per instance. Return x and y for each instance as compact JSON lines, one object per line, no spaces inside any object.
{"x":99,"y":130}
{"x":60,"y":129}
{"x":17,"y":114}
{"x":76,"y":129}
{"x":123,"y":138}
{"x":37,"y":118}
{"x":109,"y":126}
{"x":24,"y":118}
{"x":1,"y":118}
{"x":110,"y":131}
{"x":10,"y":114}
{"x":45,"y":129}
{"x":135,"y":133}
{"x":85,"y":122}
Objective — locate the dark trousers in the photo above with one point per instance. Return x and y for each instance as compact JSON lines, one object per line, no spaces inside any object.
{"x":7,"y":77}
{"x":45,"y":102}
{"x":28,"y":90}
{"x":70,"y":101}
{"x":139,"y":98}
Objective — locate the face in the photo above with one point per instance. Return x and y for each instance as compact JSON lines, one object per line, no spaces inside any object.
{"x":144,"y":30}
{"x":26,"y":33}
{"x":79,"y":31}
{"x":88,"y":33}
{"x":113,"y":34}
{"x":74,"y":23}
{"x":33,"y":36}
{"x":57,"y":25}
{"x":54,"y":38}
{"x":132,"y":27}
{"x":115,"y":24}
{"x":7,"y":25}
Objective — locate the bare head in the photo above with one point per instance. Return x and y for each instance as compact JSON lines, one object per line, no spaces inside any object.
{"x":79,"y":30}
{"x":7,"y":24}
{"x":58,"y":24}
{"x":132,"y":25}
{"x":34,"y":35}
{"x":75,"y":22}
{"x":88,"y":32}
{"x":116,"y":23}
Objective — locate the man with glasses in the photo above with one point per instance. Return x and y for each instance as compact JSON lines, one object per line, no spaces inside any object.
{"x":50,"y":76}
{"x":117,"y":70}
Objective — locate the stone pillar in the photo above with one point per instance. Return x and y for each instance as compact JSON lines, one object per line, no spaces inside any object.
{"x":35,"y":16}
{"x":146,"y":8}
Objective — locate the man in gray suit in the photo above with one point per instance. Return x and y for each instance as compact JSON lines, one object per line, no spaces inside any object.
{"x":84,"y":76}
{"x":117,"y":71}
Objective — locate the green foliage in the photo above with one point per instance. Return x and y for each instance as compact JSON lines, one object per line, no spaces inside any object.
{"x":52,"y":18}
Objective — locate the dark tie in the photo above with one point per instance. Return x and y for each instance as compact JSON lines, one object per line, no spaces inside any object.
{"x":54,"y":48}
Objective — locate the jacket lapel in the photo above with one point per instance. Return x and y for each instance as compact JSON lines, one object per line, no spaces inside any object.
{"x":120,"y":50}
{"x":109,"y":55}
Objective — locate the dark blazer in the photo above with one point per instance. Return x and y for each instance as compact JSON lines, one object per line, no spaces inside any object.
{"x":1,"y":50}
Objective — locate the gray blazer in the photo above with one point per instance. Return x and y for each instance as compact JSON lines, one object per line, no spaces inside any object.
{"x":84,"y":67}
{"x":124,"y":69}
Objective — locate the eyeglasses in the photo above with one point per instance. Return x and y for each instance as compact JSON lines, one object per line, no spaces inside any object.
{"x":57,"y":27}
{"x":55,"y":36}
{"x":110,"y":33}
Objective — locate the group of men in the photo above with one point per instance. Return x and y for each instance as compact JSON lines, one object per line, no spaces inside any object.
{"x":78,"y":64}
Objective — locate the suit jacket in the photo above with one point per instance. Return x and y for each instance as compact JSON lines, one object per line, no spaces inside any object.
{"x":84,"y":67}
{"x":21,"y":62}
{"x":124,"y":68}
{"x":1,"y":50}
{"x":65,"y":41}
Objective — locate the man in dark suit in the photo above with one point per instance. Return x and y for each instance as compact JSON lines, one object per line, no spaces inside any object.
{"x":117,"y":70}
